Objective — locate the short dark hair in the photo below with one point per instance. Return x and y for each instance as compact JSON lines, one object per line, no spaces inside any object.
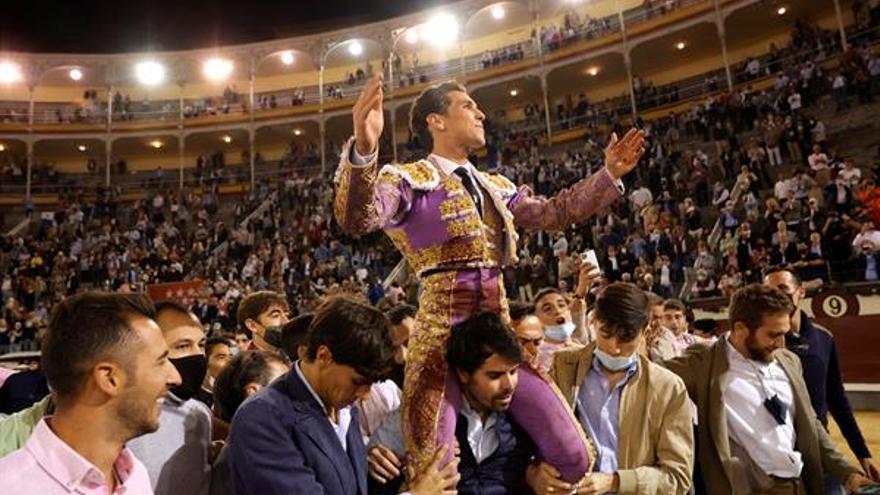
{"x":624,"y":309}
{"x":753,"y":302}
{"x":674,"y":305}
{"x":544,"y":292}
{"x":357,"y":334}
{"x":246,"y":367}
{"x":519,"y":310}
{"x":256,"y":303}
{"x":213,"y":342}
{"x":401,"y":312}
{"x":654,"y":299}
{"x":86,"y":328}
{"x":171,"y":305}
{"x":474,"y":340}
{"x":784,"y":269}
{"x":294,"y":333}
{"x":434,"y":99}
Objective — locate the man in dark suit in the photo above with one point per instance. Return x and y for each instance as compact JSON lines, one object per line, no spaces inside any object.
{"x":300,"y":435}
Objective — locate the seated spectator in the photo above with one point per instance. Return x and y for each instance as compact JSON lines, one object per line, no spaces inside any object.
{"x":749,"y":386}
{"x":613,"y":388}
{"x":106,"y":361}
{"x":262,"y":314}
{"x":300,"y":434}
{"x":178,"y":455}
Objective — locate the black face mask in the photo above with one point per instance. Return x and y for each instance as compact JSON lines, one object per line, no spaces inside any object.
{"x":192,"y":371}
{"x":273,"y":336}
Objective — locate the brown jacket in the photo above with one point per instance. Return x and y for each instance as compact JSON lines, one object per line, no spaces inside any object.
{"x":656,"y":436}
{"x":726,"y":468}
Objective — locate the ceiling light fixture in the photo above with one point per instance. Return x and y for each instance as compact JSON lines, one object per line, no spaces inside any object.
{"x":149,"y":73}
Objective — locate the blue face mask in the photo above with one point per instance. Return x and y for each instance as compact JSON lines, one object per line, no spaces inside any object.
{"x":559,"y":332}
{"x":613,"y":363}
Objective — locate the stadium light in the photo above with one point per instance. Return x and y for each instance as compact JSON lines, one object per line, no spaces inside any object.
{"x":411,"y":36}
{"x":149,"y":73}
{"x":287,"y":57}
{"x":227,"y":139}
{"x":513,"y":92}
{"x":156,"y":144}
{"x":680,"y":45}
{"x":355,"y":48}
{"x":2,"y":147}
{"x":441,"y":30}
{"x":498,"y":12}
{"x":217,"y":69}
{"x":9,"y":73}
{"x":297,"y":132}
{"x":781,"y":10}
{"x":593,"y":71}
{"x":81,"y":147}
{"x":75,"y":74}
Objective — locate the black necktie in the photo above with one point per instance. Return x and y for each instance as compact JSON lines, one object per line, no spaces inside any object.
{"x":468,"y":182}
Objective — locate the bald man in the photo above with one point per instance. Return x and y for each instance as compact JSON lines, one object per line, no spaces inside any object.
{"x":178,"y":454}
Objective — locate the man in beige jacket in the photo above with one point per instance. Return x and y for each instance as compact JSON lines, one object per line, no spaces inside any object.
{"x":758,"y":433}
{"x":636,"y":412}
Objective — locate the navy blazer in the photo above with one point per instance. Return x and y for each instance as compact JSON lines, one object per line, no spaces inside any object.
{"x":281,"y":442}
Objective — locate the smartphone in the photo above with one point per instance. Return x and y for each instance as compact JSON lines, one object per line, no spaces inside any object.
{"x":589,"y":256}
{"x":865,"y":490}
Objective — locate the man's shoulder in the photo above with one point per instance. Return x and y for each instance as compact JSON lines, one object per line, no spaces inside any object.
{"x":662,"y":380}
{"x":420,"y":175}
{"x":21,"y":470}
{"x":501,"y":183}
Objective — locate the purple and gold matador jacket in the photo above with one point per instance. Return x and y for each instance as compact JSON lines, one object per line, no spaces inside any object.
{"x":434,"y":222}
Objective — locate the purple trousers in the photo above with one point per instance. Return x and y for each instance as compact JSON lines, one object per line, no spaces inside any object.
{"x":432,"y":395}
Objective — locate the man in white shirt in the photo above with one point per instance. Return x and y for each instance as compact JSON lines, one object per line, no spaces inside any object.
{"x":758,"y":432}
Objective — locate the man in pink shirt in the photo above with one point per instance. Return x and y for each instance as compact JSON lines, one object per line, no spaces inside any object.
{"x":107,"y":364}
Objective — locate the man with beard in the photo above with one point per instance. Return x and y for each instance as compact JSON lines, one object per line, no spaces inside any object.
{"x":758,"y":433}
{"x":107,"y":364}
{"x":495,"y":451}
{"x":178,"y":455}
{"x":814,"y":345}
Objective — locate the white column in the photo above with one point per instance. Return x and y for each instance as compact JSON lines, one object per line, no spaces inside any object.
{"x":109,"y":153}
{"x":252,"y":143}
{"x":627,"y":62}
{"x":181,"y":146}
{"x":839,"y":15}
{"x":30,"y":167}
{"x":545,"y":90}
{"x":322,"y":132}
{"x":722,"y":37}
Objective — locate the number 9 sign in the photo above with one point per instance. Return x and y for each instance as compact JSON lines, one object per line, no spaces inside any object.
{"x":835,"y":304}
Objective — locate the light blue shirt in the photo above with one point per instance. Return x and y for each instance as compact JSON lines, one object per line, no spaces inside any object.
{"x":343,"y":415}
{"x":599,"y":412}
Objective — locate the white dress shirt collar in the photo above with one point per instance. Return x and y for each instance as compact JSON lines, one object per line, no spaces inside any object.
{"x":448,"y":166}
{"x":343,"y":414}
{"x":482,"y":436}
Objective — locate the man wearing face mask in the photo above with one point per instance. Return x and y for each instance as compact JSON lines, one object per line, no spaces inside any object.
{"x":178,"y":454}
{"x":563,"y":318}
{"x":263,"y":314}
{"x":613,"y":387}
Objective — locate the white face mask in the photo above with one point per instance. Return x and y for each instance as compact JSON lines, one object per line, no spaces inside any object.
{"x":618,"y":363}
